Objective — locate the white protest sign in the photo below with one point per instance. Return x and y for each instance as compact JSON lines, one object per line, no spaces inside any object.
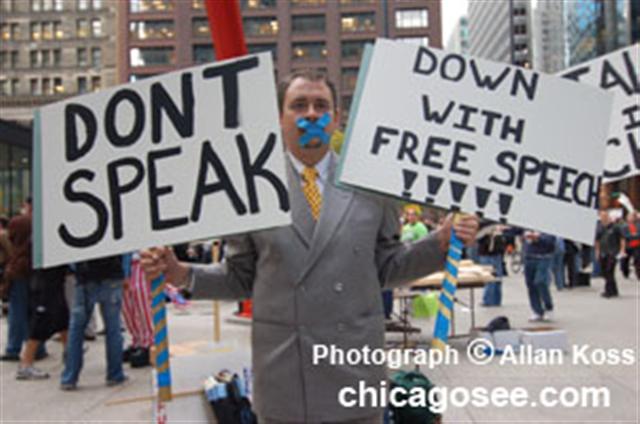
{"x":619,"y":73}
{"x":188,"y":155}
{"x":467,"y":134}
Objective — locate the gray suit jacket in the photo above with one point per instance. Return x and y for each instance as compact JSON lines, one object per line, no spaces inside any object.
{"x":317,"y":283}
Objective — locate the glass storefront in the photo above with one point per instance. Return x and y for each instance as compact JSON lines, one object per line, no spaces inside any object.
{"x":15,"y":168}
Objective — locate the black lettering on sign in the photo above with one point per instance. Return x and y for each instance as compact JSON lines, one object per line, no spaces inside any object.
{"x":162,"y":101}
{"x":504,"y":160}
{"x":529,"y":165}
{"x":102,"y":214}
{"x":426,"y":62}
{"x":621,"y":171}
{"x":566,"y":183}
{"x":457,"y":192}
{"x":545,"y":180}
{"x":408,"y":178}
{"x":435,"y":116}
{"x":634,"y":150}
{"x":482,"y":198}
{"x":110,"y":118}
{"x":631,"y":72}
{"x":208,"y":157}
{"x":467,"y":111}
{"x":577,"y":73}
{"x":504,"y":205}
{"x":528,"y":85}
{"x":408,"y":145}
{"x":516,"y":130}
{"x":155,"y":191}
{"x":74,"y":150}
{"x":585,"y":190}
{"x":379,"y":138}
{"x":117,"y":188}
{"x":487,"y":80}
{"x":633,"y":115}
{"x":257,"y":169}
{"x":432,"y":152}
{"x":229,"y":74}
{"x":490,"y":117}
{"x":610,"y":78}
{"x":455,"y":72}
{"x":433,"y":186}
{"x":459,"y":157}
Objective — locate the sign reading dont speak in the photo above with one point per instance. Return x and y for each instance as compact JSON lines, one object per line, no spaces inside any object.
{"x":618,"y":73}
{"x":467,"y":134}
{"x":187,"y":155}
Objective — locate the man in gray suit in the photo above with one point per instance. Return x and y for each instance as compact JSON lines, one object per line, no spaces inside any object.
{"x":317,"y":281}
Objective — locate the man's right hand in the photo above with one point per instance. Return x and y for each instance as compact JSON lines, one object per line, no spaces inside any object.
{"x":162,"y":260}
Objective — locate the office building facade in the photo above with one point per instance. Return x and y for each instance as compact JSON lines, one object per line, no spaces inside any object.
{"x":157,"y":36}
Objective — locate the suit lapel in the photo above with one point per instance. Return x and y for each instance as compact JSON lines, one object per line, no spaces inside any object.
{"x":303,"y":222}
{"x":335,"y":203}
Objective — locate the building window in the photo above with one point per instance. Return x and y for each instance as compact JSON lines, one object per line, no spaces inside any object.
{"x":257,"y":48}
{"x":15,"y":32}
{"x":14,"y":58}
{"x":353,"y":49}
{"x":4,"y":87}
{"x":36,"y":5}
{"x":57,"y":57}
{"x":197,"y":4}
{"x":5,"y":32}
{"x":150,"y":5}
{"x":308,"y":2}
{"x":45,"y":57}
{"x":151,"y":30}
{"x":47,"y":88}
{"x":309,"y":51}
{"x":255,"y":27}
{"x":81,"y":56}
{"x":96,"y":4}
{"x":257,"y":4}
{"x":358,"y":22}
{"x":203,"y":53}
{"x":58,"y":33}
{"x":421,"y":41}
{"x":83,"y":4}
{"x":96,"y":28}
{"x":82,"y":28}
{"x":308,"y":24}
{"x":96,"y":83}
{"x":34,"y":87}
{"x":58,"y":87}
{"x":200,"y":27}
{"x":6,"y":5}
{"x":33,"y":59}
{"x":35,"y":31}
{"x":47,"y":5}
{"x":82,"y":85}
{"x":151,"y":56}
{"x":96,"y":57}
{"x":412,"y":18}
{"x":138,"y":77}
{"x":47,"y":30}
{"x":58,"y":5}
{"x":349,"y":78}
{"x":4,"y":60}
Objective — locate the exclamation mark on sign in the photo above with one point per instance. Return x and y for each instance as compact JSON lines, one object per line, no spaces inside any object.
{"x":409,"y":179}
{"x":504,"y":203}
{"x":482,"y":197}
{"x":457,"y":191}
{"x":433,"y":186}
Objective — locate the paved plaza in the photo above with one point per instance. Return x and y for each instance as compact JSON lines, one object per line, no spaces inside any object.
{"x":587,"y":318}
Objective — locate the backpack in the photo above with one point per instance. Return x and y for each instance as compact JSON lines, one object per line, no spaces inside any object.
{"x":228,"y":398}
{"x":407,"y":414}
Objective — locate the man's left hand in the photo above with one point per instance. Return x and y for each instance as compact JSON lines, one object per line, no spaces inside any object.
{"x":466,"y":228}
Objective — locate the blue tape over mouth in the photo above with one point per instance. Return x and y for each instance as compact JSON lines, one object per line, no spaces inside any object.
{"x":314,"y":129}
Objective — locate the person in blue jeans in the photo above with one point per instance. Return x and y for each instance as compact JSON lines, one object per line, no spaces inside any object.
{"x":99,"y":281}
{"x":557,"y":263}
{"x":491,"y":246}
{"x":538,"y":254}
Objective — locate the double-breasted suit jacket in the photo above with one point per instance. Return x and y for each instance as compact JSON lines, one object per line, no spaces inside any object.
{"x":317,"y":283}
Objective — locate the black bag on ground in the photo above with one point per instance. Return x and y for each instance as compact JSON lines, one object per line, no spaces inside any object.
{"x":229,"y":401}
{"x":583,"y":279}
{"x":407,"y":414}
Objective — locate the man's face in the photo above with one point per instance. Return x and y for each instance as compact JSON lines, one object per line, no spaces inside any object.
{"x":604,"y":217}
{"x":309,"y":100}
{"x":412,"y":216}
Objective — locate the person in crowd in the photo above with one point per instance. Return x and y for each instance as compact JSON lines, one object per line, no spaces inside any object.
{"x":412,"y":230}
{"x":318,"y":280}
{"x":631,"y":233}
{"x":538,"y":253}
{"x":609,"y":245}
{"x":18,"y":273}
{"x":557,"y":263}
{"x":491,"y":247}
{"x":571,"y":250}
{"x":48,"y":315}
{"x":98,"y":281}
{"x":136,"y":310}
{"x":6,"y":249}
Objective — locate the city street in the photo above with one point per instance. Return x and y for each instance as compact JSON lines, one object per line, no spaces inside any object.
{"x":587,"y":318}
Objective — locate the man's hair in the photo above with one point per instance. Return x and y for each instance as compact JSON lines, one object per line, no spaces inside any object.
{"x":312,"y":75}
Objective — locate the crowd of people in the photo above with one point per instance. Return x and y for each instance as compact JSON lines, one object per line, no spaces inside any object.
{"x":61,"y":300}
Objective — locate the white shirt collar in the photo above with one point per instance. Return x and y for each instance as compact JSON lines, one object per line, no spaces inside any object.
{"x":322,"y":167}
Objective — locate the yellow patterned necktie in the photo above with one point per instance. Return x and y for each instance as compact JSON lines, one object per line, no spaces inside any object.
{"x":311,"y":190}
